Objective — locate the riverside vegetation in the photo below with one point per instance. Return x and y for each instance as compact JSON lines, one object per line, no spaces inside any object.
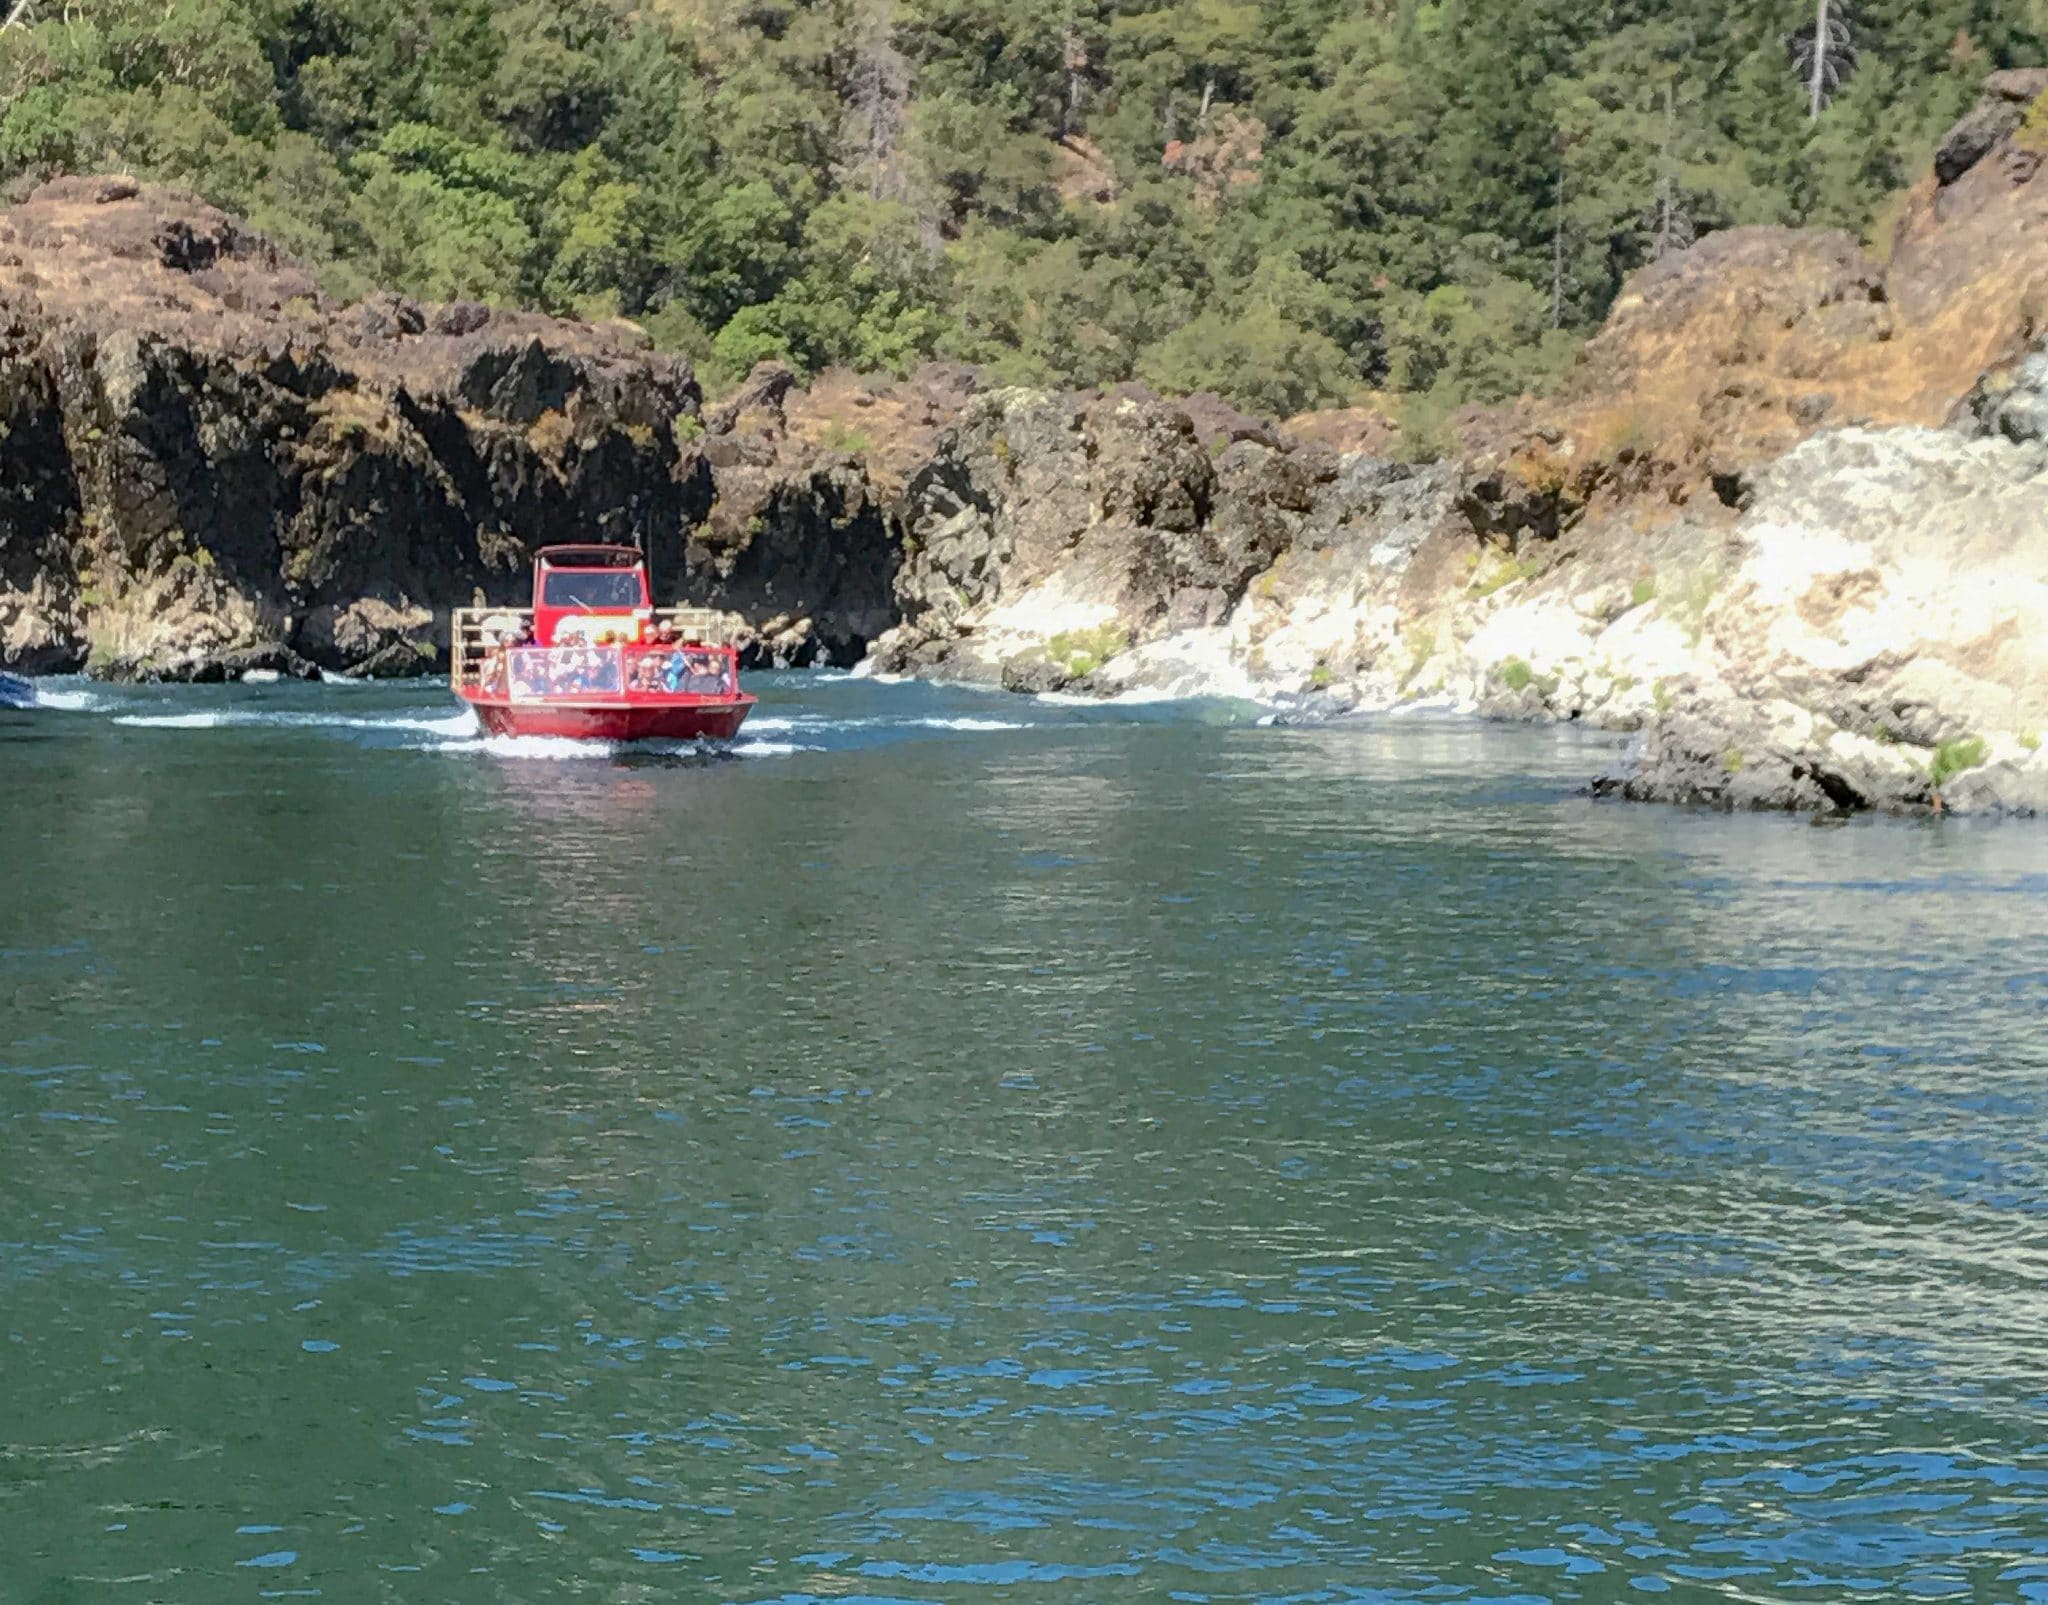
{"x":1288,"y":202}
{"x":1782,"y":514}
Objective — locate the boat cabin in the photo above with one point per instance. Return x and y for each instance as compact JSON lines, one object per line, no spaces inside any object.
{"x":590,"y":595}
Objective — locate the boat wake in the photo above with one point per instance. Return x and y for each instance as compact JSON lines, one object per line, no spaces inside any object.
{"x":806,"y":714}
{"x":458,"y":733}
{"x":443,"y":724}
{"x":67,"y":698}
{"x":565,"y":749}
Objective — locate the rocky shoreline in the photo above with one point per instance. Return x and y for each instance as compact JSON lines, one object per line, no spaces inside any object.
{"x":1789,"y":522}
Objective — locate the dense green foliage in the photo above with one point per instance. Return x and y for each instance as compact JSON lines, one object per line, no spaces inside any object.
{"x":1290,"y":201}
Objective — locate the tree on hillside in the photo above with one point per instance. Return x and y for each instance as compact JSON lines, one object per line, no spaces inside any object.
{"x":877,"y":101}
{"x":1824,"y":55}
{"x":1438,"y":195}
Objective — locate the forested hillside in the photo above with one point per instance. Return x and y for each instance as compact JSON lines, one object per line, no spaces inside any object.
{"x":1289,"y":201}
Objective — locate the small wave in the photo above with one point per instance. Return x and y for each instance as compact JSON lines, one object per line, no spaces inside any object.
{"x":552,"y":749}
{"x":560,"y":749}
{"x":443,"y":724}
{"x":67,"y":699}
{"x":175,"y":721}
{"x":819,"y":724}
{"x":770,"y":749}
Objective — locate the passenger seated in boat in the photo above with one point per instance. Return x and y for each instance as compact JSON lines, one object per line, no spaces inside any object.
{"x":706,"y":673}
{"x":532,"y":671}
{"x":588,"y":670}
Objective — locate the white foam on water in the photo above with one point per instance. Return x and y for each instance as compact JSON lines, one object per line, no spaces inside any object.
{"x":819,"y":723}
{"x":67,"y":700}
{"x":460,"y":723}
{"x":550,"y":749}
{"x":175,"y":721}
{"x":770,"y":749}
{"x":562,"y":749}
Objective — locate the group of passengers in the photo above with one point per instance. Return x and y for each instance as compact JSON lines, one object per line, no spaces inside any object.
{"x":565,"y":671}
{"x":580,"y":668}
{"x":677,"y":670}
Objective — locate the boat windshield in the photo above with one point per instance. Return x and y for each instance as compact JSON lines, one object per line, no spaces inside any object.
{"x":615,"y":589}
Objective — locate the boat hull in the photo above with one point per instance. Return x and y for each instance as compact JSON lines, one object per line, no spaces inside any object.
{"x":705,"y":719}
{"x":16,"y":692}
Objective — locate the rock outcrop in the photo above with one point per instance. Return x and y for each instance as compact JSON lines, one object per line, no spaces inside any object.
{"x":206,"y":467}
{"x":1049,"y":533}
{"x":1743,"y":530}
{"x":1788,"y":522}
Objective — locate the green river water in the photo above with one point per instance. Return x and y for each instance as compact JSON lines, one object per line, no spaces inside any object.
{"x":968,"y":1149}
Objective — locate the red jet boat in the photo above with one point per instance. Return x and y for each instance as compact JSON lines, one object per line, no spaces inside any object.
{"x":594,"y":659}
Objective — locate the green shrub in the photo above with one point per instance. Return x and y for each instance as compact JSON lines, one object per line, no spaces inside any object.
{"x":840,"y":437}
{"x":2033,"y":130}
{"x":1081,"y":652}
{"x":1421,"y":644}
{"x":1505,"y":571}
{"x":1952,"y":758}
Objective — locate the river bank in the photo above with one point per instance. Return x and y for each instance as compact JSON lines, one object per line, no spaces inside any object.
{"x":1785,"y":522}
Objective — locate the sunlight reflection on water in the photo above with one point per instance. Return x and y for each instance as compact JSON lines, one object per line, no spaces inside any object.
{"x":1012,"y":1152}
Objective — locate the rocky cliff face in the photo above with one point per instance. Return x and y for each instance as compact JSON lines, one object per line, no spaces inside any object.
{"x":205,"y":467}
{"x":1787,"y":522}
{"x":1049,"y":533}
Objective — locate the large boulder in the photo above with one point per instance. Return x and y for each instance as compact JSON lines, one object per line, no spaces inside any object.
{"x":1050,"y":534}
{"x":2012,"y":401}
{"x":1882,"y":640}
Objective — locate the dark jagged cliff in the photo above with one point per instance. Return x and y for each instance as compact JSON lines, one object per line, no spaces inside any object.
{"x":204,"y":466}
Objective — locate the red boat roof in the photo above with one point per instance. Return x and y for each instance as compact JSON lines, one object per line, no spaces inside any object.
{"x":590,"y":556}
